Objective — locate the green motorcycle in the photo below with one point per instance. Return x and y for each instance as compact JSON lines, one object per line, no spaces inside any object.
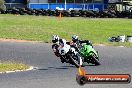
{"x":89,"y":54}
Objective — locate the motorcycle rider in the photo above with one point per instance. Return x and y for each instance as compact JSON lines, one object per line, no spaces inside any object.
{"x":64,"y":43}
{"x":77,"y":43}
{"x":55,"y":41}
{"x":55,"y":46}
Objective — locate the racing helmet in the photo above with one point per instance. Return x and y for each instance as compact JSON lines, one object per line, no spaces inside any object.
{"x":55,"y":38}
{"x":62,"y":41}
{"x":74,"y":38}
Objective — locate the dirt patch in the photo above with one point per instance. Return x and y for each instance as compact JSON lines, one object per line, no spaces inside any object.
{"x":16,"y":40}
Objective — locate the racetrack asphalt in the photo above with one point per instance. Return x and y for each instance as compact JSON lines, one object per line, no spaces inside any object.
{"x":51,"y":73}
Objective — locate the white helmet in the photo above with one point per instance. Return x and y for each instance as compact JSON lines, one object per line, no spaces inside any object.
{"x":74,"y":38}
{"x":55,"y":38}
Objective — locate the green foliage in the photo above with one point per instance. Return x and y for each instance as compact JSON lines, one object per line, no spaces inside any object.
{"x":2,"y":6}
{"x":26,"y":2}
{"x":1,"y":2}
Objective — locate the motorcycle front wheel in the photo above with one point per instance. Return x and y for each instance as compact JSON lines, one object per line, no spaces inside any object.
{"x":94,"y":59}
{"x":74,"y":60}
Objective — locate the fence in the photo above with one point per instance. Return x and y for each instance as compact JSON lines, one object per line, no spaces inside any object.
{"x":17,"y":5}
{"x":61,"y":6}
{"x":53,"y":6}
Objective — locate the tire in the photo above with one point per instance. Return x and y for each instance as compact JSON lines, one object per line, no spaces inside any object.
{"x":75,"y":62}
{"x":81,"y":80}
{"x":94,"y":59}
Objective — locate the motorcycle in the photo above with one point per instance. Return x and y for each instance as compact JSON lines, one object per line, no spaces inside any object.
{"x":70,"y":55}
{"x":89,"y":54}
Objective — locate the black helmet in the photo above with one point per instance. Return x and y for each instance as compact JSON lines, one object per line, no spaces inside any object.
{"x":74,"y":38}
{"x":55,"y":38}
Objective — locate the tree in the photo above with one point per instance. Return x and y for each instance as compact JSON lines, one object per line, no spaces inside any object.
{"x":2,"y":5}
{"x":26,"y":2}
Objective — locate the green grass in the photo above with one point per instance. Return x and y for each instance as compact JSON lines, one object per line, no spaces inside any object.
{"x":9,"y":66}
{"x":41,"y":28}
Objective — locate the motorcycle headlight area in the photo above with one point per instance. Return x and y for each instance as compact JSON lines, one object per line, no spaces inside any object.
{"x":64,"y":50}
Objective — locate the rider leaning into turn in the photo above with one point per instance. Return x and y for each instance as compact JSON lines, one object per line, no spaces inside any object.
{"x":56,"y":42}
{"x":66,"y":44}
{"x":76,"y":42}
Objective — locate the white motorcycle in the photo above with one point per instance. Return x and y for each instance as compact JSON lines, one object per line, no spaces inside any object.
{"x":70,"y":55}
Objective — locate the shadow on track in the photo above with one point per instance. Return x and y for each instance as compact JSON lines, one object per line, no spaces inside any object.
{"x":61,"y":67}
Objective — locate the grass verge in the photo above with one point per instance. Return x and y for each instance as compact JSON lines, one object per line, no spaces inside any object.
{"x":9,"y":66}
{"x":41,"y":28}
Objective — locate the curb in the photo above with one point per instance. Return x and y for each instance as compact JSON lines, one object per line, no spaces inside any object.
{"x":29,"y":69}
